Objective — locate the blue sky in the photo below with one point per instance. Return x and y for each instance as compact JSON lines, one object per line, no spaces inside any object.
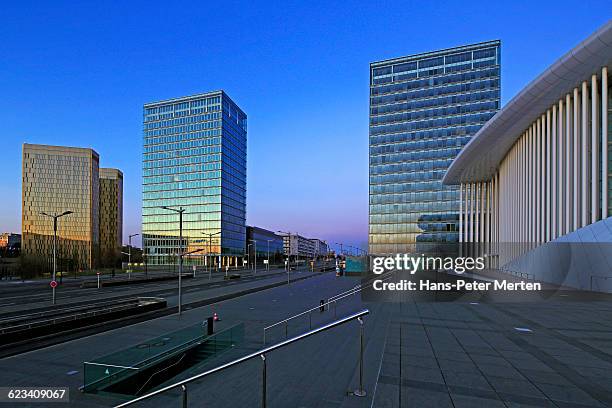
{"x":77,"y":73}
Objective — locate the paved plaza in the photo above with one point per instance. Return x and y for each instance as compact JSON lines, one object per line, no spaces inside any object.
{"x":473,"y":353}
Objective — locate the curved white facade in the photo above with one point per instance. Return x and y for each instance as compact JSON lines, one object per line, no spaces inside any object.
{"x":540,"y":168}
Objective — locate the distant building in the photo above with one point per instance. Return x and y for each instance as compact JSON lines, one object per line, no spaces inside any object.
{"x":195,"y":158}
{"x":111,"y":216}
{"x":269,"y":245}
{"x":297,"y":246}
{"x":320,"y":247}
{"x":8,"y":239}
{"x":58,"y":179}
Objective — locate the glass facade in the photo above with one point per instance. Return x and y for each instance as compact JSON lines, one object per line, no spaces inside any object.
{"x":194,"y":157}
{"x":111,"y":216}
{"x":54,"y":180}
{"x":267,"y":243}
{"x":423,"y":109}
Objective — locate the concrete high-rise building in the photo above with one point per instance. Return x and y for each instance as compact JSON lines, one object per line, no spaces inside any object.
{"x":57,"y":179}
{"x":111,"y":216}
{"x":423,"y":109}
{"x":195,"y":158}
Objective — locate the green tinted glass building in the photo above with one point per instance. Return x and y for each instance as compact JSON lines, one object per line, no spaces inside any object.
{"x":194,"y":157}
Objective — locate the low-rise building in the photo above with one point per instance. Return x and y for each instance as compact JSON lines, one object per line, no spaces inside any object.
{"x":298,"y":247}
{"x":320,"y":247}
{"x":9,"y":240}
{"x":267,"y":244}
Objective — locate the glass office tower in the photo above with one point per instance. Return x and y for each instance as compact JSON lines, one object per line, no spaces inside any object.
{"x":195,"y":158}
{"x":423,"y":109}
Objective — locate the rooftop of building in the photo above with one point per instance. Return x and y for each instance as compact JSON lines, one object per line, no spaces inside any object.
{"x":480,"y":158}
{"x":436,"y":53}
{"x":60,"y":149}
{"x":188,"y":98}
{"x":110,"y":173}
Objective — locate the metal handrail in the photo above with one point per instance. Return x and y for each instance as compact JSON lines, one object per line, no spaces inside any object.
{"x":331,"y":300}
{"x":159,"y":371}
{"x":261,"y":353}
{"x":305,"y":312}
{"x":339,"y":295}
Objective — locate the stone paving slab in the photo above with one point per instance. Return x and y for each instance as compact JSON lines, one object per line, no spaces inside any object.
{"x":484,"y":361}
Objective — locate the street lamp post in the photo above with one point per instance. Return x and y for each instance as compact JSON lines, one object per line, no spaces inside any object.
{"x":249,"y":255}
{"x":341,"y":250}
{"x":268,"y":264}
{"x":288,"y":246}
{"x":130,"y":254}
{"x":180,"y":212}
{"x":255,"y":255}
{"x":210,"y":250}
{"x":55,"y":217}
{"x":289,"y":252}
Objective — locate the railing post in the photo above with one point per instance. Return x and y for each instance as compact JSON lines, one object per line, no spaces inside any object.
{"x":360,"y":392}
{"x":263,"y":382}
{"x":400,"y":361}
{"x":184,"y":402}
{"x":286,"y":329}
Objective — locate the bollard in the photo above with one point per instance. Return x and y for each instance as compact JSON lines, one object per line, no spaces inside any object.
{"x":210,"y":326}
{"x":263,"y":382}
{"x":360,"y":392}
{"x":184,"y":388}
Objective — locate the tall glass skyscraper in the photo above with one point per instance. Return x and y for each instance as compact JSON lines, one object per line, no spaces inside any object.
{"x":423,"y":109}
{"x":195,"y":158}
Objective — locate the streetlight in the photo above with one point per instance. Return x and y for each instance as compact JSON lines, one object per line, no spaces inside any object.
{"x":297,"y":241}
{"x":268,"y":264}
{"x":341,"y":250}
{"x":289,"y":253}
{"x":55,"y":217}
{"x":210,"y":248}
{"x":193,"y":252}
{"x":255,"y":252}
{"x":130,"y":251}
{"x":180,"y":212}
{"x":249,"y":254}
